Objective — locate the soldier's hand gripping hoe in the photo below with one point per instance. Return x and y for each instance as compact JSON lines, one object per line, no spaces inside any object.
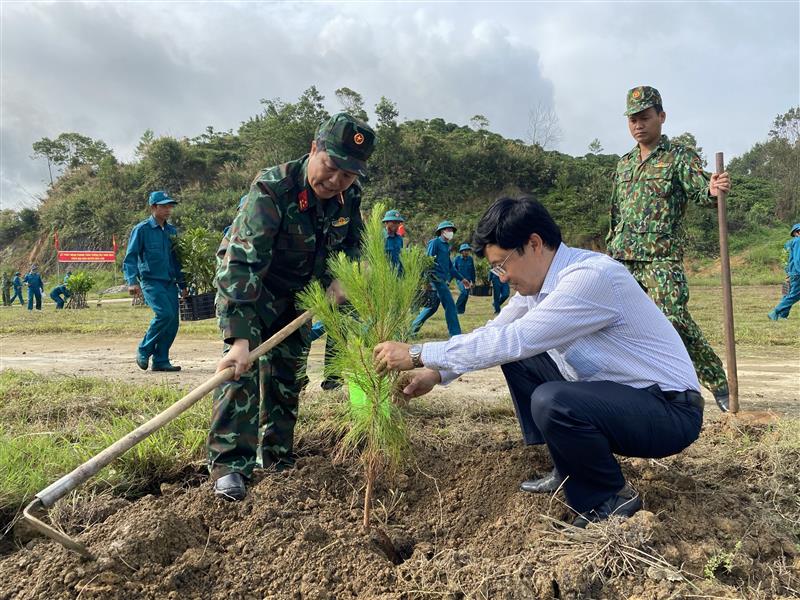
{"x":48,"y":496}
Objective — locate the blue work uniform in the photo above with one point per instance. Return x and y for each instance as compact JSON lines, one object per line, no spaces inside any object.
{"x":781,"y":311}
{"x":465,"y":266}
{"x":17,"y":283}
{"x":35,"y":289}
{"x":60,"y":293}
{"x":443,"y":272}
{"x":151,"y":262}
{"x":500,"y":291}
{"x":394,"y":246}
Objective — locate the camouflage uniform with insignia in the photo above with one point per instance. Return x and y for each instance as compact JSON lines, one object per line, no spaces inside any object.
{"x":648,"y":205}
{"x":280,"y":240}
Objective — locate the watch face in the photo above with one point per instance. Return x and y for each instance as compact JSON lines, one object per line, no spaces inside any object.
{"x":415,"y":350}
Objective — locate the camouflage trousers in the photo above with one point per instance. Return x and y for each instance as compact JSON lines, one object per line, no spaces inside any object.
{"x":253,"y":419}
{"x":665,"y":282}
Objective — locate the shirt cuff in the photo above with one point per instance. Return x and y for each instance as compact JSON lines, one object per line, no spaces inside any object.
{"x":448,"y":377}
{"x":433,"y":355}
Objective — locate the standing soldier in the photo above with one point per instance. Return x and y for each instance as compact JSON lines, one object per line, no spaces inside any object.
{"x":652,"y":185}
{"x":6,"y":289}
{"x":443,"y":272}
{"x":151,"y":268}
{"x":17,"y":283}
{"x":466,"y":266}
{"x":295,"y":216}
{"x":35,"y":287}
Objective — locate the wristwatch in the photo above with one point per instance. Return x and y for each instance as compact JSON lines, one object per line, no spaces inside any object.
{"x":415,"y":351}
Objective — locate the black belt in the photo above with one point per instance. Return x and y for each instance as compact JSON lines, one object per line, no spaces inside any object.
{"x":690,"y":396}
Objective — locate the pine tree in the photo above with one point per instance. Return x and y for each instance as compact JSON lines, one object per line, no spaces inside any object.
{"x":380,"y":306}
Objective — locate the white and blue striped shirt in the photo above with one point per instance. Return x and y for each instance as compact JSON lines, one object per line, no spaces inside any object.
{"x":594,"y":320}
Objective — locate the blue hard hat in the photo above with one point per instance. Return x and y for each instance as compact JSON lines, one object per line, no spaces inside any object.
{"x":795,"y":227}
{"x":464,"y":246}
{"x":445,"y":225}
{"x":393,"y":215}
{"x":160,"y":197}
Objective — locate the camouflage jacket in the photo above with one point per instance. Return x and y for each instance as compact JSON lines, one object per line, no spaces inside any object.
{"x":280,"y":239}
{"x":649,"y":201}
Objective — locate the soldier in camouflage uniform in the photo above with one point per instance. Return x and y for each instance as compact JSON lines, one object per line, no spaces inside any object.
{"x":294,"y":217}
{"x":652,"y":185}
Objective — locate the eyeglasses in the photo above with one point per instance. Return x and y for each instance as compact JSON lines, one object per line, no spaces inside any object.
{"x":499,"y":270}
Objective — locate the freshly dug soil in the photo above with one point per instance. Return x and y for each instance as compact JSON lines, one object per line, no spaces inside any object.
{"x":458,"y":526}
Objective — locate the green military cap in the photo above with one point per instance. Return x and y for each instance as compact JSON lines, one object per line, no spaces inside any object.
{"x":445,"y":225}
{"x":464,"y":246}
{"x":393,"y":215}
{"x":348,"y":141}
{"x":641,"y":98}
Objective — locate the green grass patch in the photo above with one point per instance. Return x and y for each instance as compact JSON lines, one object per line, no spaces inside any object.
{"x":49,"y":425}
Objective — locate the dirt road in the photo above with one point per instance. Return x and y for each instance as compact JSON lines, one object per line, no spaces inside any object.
{"x":769,"y":378}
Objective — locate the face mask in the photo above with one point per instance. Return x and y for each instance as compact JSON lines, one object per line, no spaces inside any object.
{"x":448,"y":235}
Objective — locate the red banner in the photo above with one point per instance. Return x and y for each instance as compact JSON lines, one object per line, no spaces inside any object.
{"x":70,"y":256}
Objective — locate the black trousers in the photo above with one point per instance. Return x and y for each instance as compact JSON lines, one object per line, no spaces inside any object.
{"x":584,"y":423}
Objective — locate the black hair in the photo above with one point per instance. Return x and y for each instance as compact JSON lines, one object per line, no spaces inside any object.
{"x":659,"y":108}
{"x":509,"y":223}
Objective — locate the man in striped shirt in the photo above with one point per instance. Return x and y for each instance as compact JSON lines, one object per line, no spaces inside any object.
{"x":593,"y":366}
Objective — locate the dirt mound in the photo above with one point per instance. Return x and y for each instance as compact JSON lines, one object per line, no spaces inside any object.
{"x":458,"y":525}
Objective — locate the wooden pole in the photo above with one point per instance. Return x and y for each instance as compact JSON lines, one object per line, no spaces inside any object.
{"x":727,"y":295}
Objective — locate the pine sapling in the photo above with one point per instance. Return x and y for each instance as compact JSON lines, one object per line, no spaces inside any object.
{"x":380,"y":303}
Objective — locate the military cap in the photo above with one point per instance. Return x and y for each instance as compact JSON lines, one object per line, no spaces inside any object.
{"x":795,"y":228}
{"x":17,"y":273}
{"x":641,"y":98}
{"x":160,"y":197}
{"x":393,"y":215}
{"x":464,"y":246}
{"x":445,"y":225}
{"x":348,"y":141}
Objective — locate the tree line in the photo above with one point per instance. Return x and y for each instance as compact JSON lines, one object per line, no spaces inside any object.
{"x":429,"y":169}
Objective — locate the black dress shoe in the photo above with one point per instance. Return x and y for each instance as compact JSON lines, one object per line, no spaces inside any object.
{"x":331,"y":383}
{"x":623,"y":504}
{"x":230,"y":487}
{"x":167,"y":368}
{"x":543,"y":485}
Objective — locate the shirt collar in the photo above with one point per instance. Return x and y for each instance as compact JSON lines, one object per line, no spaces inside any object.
{"x":559,"y":262}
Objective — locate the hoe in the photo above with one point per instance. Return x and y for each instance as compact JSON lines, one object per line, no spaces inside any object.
{"x":48,"y":496}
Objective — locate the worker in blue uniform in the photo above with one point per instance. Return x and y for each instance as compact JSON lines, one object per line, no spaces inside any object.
{"x":443,"y":272}
{"x":35,"y":287}
{"x":151,"y":267}
{"x":60,"y":293}
{"x":466,"y":266}
{"x":17,"y":283}
{"x":792,"y":248}
{"x":500,"y":291}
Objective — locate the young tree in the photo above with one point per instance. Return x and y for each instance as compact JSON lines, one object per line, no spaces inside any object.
{"x":543,"y":127}
{"x":381,"y":302}
{"x":352,"y":102}
{"x":595,"y":147}
{"x":479,"y":123}
{"x":387,"y":112}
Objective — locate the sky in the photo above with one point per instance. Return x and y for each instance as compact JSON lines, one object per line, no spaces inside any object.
{"x":113,"y":70}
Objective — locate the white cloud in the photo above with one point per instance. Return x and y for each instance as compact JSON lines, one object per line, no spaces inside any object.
{"x":111,"y":71}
